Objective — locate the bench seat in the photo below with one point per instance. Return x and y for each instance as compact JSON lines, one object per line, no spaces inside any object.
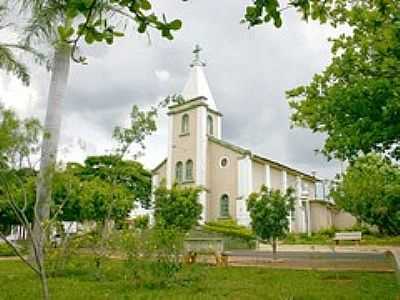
{"x":355,"y":236}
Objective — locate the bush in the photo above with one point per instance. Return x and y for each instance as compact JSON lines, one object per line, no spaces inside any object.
{"x":141,"y":222}
{"x":235,"y":236}
{"x":230,"y":228}
{"x":151,"y":257}
{"x":177,"y":208}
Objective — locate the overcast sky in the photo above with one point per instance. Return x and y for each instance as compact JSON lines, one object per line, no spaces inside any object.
{"x":248,"y":73}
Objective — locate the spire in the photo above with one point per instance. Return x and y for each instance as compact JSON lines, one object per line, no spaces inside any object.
{"x":197,"y":85}
{"x":196,"y":59}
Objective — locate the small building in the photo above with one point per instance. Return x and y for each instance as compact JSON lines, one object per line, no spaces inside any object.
{"x":198,"y":155}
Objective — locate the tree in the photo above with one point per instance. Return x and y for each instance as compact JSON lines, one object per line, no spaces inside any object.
{"x":370,"y":190}
{"x":63,"y":24}
{"x":355,"y":101}
{"x":142,"y":124}
{"x":18,"y":186}
{"x":8,"y":61}
{"x":269,"y":212}
{"x":19,"y":140}
{"x":177,"y":208}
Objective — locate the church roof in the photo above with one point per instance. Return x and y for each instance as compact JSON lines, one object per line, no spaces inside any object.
{"x":255,"y":156}
{"x":197,"y":84}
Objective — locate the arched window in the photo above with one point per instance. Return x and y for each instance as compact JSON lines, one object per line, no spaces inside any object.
{"x":179,"y":172}
{"x":189,"y":170}
{"x":210,"y":125}
{"x":224,"y":206}
{"x":185,"y":124}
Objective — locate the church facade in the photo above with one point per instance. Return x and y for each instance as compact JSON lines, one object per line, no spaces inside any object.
{"x":198,"y":155}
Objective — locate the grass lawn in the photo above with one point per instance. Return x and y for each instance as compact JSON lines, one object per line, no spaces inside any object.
{"x":201,"y":282}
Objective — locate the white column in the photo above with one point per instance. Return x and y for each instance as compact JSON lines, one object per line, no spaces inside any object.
{"x":219,"y":127}
{"x":245,"y":187}
{"x":284,"y":181}
{"x":268,"y":176}
{"x":201,"y":157}
{"x":284,"y":188}
{"x":299,"y":210}
{"x":170,"y":149}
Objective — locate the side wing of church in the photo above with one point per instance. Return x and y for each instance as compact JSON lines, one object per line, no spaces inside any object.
{"x":197,"y":155}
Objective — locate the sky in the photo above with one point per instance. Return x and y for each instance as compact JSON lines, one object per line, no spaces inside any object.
{"x":248,"y":71}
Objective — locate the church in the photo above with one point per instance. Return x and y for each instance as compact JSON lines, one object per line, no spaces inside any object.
{"x":198,"y":155}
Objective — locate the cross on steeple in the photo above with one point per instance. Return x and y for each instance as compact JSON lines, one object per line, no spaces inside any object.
{"x":196,"y":59}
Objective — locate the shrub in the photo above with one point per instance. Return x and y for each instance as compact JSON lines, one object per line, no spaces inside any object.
{"x":141,"y":222}
{"x":229,"y":228}
{"x":151,"y":257}
{"x":177,"y":208}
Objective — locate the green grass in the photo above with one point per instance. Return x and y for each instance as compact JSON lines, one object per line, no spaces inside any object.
{"x":6,"y":250}
{"x":200,"y":282}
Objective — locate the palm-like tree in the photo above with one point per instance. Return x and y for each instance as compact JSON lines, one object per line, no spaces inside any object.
{"x":62,"y":24}
{"x":8,"y":59}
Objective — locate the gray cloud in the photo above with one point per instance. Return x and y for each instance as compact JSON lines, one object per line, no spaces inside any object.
{"x":248,"y":72}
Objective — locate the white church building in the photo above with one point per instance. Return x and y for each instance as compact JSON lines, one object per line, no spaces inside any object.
{"x":198,"y":155}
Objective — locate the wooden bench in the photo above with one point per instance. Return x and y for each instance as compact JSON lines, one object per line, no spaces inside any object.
{"x":203,"y":246}
{"x":348,"y":236}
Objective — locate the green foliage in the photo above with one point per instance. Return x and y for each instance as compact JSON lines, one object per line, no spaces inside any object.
{"x":355,"y":101}
{"x":103,"y":201}
{"x":269,"y":211}
{"x":67,"y":22}
{"x":141,"y":222}
{"x":142,"y":124}
{"x":6,"y":250}
{"x":370,"y":190}
{"x":229,"y":227}
{"x":8,"y":59}
{"x":104,"y":187}
{"x":265,"y":11}
{"x":19,"y":139}
{"x":17,"y":191}
{"x":177,"y":208}
{"x":152,"y":258}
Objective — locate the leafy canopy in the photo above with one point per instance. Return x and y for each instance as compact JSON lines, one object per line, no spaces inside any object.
{"x":370,"y":190}
{"x":104,"y":187}
{"x":356,"y":101}
{"x":19,"y":139}
{"x":269,"y":211}
{"x":177,"y":208}
{"x":17,"y":193}
{"x":68,"y":22}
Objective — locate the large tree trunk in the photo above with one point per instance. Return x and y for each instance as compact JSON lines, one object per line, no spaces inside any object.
{"x":58,"y":85}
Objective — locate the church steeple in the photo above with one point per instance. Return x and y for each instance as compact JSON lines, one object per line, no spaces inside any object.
{"x":197,"y":85}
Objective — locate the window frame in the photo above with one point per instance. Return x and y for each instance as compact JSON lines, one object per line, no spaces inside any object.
{"x":185,"y":124}
{"x":189,"y":178}
{"x":224,"y":208}
{"x":210,"y":125}
{"x":179,"y":172}
{"x":227,"y":162}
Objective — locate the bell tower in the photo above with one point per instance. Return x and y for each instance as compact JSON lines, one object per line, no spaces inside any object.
{"x":190,"y":124}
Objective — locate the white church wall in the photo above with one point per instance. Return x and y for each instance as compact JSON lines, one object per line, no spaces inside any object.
{"x":245,"y":186}
{"x":258,"y":176}
{"x":276,"y":178}
{"x":201,"y":157}
{"x":221,"y":180}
